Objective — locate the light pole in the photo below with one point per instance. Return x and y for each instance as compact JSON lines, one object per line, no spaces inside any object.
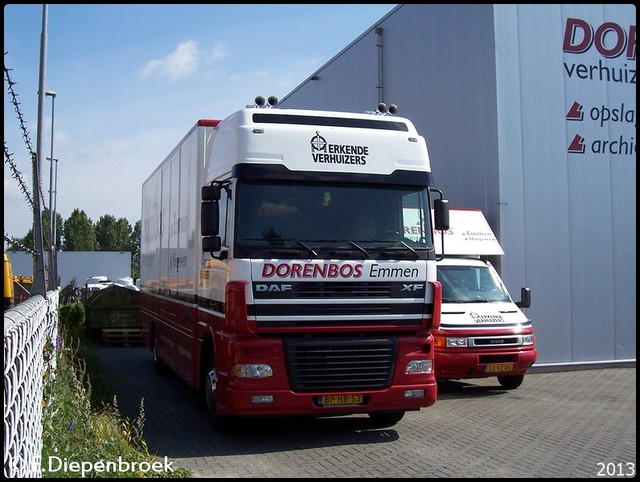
{"x":38,"y":287}
{"x":55,"y":238}
{"x":52,"y":214}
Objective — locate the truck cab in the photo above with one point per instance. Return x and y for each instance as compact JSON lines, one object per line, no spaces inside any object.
{"x":483,"y":331}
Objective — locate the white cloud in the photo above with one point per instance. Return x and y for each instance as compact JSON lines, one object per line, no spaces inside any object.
{"x":217,"y":52}
{"x":180,"y":63}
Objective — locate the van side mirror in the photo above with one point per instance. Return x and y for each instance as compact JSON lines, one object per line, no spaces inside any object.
{"x":525,"y":298}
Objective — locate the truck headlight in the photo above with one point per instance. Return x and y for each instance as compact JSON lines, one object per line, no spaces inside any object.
{"x":419,"y":366}
{"x":253,"y":370}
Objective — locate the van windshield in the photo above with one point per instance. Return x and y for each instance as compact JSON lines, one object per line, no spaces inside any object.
{"x":471,"y":284}
{"x":318,"y":219}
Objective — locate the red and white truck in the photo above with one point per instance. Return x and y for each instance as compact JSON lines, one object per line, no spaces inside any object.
{"x":483,"y":332}
{"x":275,"y":277}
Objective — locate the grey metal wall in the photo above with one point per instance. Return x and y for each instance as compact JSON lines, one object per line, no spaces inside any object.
{"x":77,"y":264}
{"x":489,"y":88}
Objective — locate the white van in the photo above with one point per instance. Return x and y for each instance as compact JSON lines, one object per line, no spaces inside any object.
{"x":483,"y":332}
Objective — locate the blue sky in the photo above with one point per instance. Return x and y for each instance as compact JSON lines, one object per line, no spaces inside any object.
{"x":131,"y":80}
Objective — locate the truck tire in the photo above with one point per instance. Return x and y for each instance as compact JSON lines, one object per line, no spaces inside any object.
{"x":221,"y":423}
{"x":511,"y":382}
{"x":386,"y":418}
{"x":159,"y":366}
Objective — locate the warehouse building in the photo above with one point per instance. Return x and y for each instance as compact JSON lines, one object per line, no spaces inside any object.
{"x":529,"y":113}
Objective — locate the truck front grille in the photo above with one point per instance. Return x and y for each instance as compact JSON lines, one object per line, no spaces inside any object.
{"x":335,"y":364}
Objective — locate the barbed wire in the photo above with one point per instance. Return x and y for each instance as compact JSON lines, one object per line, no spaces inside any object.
{"x":15,"y":173}
{"x":15,"y":242}
{"x":16,"y":105}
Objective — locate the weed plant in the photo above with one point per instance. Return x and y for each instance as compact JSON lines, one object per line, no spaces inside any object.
{"x":82,"y":434}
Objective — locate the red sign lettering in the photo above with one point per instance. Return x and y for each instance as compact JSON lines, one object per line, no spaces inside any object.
{"x":311,"y":270}
{"x":609,"y":39}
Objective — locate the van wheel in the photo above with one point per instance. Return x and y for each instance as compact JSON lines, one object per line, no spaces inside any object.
{"x":511,"y":382}
{"x":386,"y":418}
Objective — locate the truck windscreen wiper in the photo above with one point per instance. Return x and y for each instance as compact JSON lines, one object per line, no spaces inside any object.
{"x":308,"y":248}
{"x":357,"y":246}
{"x":402,"y":243}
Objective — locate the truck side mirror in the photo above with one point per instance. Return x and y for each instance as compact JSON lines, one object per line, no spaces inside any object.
{"x":209,"y":218}
{"x":211,"y":244}
{"x":210,"y":192}
{"x":525,"y":298}
{"x":441,"y":214}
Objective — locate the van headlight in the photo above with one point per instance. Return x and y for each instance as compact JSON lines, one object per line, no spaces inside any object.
{"x":528,"y":339}
{"x":456,"y":342}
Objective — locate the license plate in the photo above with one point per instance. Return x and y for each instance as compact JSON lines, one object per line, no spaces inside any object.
{"x":357,"y":399}
{"x":498,"y":367}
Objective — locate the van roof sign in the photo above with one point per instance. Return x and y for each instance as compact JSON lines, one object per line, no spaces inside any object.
{"x":469,"y":234}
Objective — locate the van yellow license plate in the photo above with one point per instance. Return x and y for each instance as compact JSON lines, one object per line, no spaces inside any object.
{"x":498,"y":367}
{"x":327,"y":400}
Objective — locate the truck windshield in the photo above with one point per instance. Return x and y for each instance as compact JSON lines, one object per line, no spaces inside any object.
{"x":470,"y":284}
{"x":318,"y":219}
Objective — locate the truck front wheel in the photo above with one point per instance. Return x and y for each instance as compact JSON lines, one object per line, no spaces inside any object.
{"x":511,"y":382}
{"x":221,"y":423}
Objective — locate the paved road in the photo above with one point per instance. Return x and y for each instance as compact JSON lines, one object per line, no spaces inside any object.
{"x":559,"y":424}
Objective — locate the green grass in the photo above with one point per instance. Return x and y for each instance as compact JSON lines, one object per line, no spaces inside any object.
{"x":83,"y":435}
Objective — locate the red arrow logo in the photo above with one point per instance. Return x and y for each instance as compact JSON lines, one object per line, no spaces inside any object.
{"x":577,"y":145}
{"x":575,"y":112}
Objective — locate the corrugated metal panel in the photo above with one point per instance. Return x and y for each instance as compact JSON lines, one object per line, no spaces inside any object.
{"x":490,"y":88}
{"x":77,"y":264}
{"x":534,"y":234}
{"x":564,"y":214}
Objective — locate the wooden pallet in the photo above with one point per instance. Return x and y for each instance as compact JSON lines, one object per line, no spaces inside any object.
{"x":121,"y":336}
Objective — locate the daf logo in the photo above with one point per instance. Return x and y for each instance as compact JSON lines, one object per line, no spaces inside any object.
{"x":412,"y":287}
{"x":277,"y":288}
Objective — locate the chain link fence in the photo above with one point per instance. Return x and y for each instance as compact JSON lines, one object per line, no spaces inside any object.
{"x":29,"y":328}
